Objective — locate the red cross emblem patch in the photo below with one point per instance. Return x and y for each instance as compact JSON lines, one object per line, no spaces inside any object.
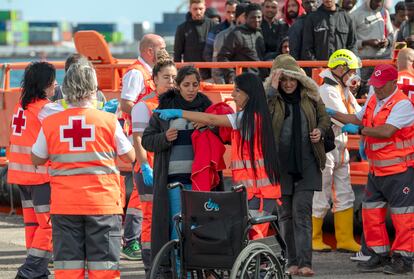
{"x":77,"y":133}
{"x":406,"y":190}
{"x":19,"y":122}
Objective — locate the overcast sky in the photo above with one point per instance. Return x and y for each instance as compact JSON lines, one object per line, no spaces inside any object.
{"x":123,"y":12}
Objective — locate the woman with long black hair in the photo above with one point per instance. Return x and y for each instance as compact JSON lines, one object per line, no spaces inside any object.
{"x":38,"y":85}
{"x":254,"y":158}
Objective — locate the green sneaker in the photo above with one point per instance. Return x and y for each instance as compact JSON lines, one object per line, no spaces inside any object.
{"x":132,"y":251}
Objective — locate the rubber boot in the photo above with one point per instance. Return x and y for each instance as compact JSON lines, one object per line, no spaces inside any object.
{"x":317,"y":242}
{"x":344,"y":231}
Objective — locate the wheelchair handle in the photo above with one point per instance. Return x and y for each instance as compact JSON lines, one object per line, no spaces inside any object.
{"x":175,"y":185}
{"x":238,"y":187}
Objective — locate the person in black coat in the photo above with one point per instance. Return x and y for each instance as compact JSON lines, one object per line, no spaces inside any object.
{"x":296,"y":30}
{"x":273,"y":30}
{"x":244,"y":43}
{"x":326,"y":30}
{"x":191,"y":36}
{"x":230,"y":17}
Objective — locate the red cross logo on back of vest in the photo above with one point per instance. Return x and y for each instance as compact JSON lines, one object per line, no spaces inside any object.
{"x":407,"y":86}
{"x":77,"y":133}
{"x":19,"y":122}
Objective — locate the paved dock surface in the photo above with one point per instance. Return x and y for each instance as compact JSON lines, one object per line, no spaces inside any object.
{"x":12,"y":254}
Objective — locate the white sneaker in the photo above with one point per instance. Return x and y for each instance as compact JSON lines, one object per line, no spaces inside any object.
{"x":359,"y":257}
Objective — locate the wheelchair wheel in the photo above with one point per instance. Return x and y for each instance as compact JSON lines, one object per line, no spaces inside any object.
{"x":165,"y":262}
{"x":257,"y":260}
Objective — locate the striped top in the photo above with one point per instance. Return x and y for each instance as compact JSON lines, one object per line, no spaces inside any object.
{"x":182,"y":154}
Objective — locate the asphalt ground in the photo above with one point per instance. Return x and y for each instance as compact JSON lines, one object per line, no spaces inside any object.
{"x":12,"y":254}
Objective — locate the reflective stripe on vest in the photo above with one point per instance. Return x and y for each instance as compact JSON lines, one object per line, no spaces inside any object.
{"x":25,"y":128}
{"x":387,"y":156}
{"x":241,"y":164}
{"x":83,"y":157}
{"x":257,"y":181}
{"x":84,"y":177}
{"x":28,"y":168}
{"x":90,"y":170}
{"x":151,"y":101}
{"x":20,"y":149}
{"x":398,"y":145}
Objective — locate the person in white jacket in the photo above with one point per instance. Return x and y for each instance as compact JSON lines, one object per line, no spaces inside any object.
{"x":336,"y":184}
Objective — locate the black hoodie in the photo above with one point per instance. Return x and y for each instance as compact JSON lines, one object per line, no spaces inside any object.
{"x":242,"y":44}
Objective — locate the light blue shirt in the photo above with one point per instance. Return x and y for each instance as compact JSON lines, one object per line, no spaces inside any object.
{"x":401,"y":115}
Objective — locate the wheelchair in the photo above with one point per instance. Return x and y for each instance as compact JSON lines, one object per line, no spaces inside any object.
{"x":213,"y":240}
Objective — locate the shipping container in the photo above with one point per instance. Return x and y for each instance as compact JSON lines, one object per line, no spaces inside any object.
{"x":40,"y":36}
{"x":10,"y":15}
{"x":100,"y":27}
{"x":5,"y":38}
{"x":174,"y":18}
{"x":14,"y":25}
{"x":14,"y":38}
{"x":43,"y":24}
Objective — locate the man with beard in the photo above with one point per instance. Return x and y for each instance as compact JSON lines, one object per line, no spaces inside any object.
{"x":273,"y":30}
{"x":190,"y":37}
{"x":244,"y":43}
{"x":296,"y":30}
{"x":327,"y":29}
{"x":292,"y":10}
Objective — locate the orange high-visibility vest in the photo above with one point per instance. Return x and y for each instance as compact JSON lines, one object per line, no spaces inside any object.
{"x":258,"y":184}
{"x":25,"y":127}
{"x":392,"y":155}
{"x":406,"y":83}
{"x":149,"y":86}
{"x":82,"y":150}
{"x":151,"y":101}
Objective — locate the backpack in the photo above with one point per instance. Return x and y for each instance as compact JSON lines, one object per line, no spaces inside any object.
{"x":329,"y":139}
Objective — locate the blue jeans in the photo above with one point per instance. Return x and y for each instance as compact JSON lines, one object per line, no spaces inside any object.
{"x":174,"y":196}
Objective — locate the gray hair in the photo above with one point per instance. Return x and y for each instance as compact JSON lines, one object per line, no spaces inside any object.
{"x":80,"y":82}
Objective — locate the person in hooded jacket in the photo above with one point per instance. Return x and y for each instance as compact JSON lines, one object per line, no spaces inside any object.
{"x":191,"y":36}
{"x":292,"y":10}
{"x":299,"y":123}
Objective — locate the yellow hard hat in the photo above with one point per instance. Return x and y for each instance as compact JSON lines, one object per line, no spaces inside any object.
{"x":344,"y":57}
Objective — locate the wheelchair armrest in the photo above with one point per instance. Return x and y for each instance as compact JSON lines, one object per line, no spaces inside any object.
{"x":263,"y":219}
{"x":238,"y":187}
